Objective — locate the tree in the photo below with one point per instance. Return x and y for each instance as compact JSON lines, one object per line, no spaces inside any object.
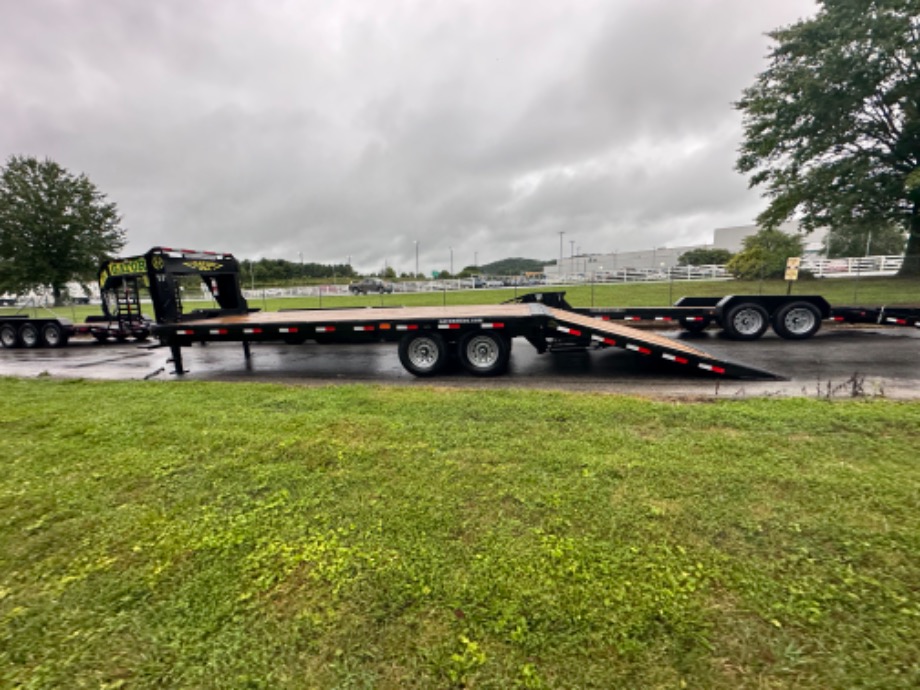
{"x":764,"y":255}
{"x":54,"y":227}
{"x":832,"y":127}
{"x":857,"y":240}
{"x":704,"y":256}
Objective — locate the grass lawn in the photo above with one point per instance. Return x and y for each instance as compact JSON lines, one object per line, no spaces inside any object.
{"x":168,"y":534}
{"x":838,"y":291}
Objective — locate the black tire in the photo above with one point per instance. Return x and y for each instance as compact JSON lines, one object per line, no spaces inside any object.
{"x":423,"y":354}
{"x":29,"y":335}
{"x":797,"y":321}
{"x":9,"y":336}
{"x":695,"y":326}
{"x":484,"y":353}
{"x":746,"y":321}
{"x":53,"y":335}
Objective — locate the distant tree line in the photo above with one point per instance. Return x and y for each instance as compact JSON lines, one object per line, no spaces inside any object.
{"x":281,"y":271}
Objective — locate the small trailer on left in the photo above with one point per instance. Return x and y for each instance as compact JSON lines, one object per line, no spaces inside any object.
{"x":120,"y":283}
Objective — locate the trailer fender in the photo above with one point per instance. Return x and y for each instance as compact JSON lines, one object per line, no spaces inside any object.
{"x":695,"y":324}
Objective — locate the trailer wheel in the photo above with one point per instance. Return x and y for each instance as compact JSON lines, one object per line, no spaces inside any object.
{"x":484,"y":354}
{"x":746,"y":321}
{"x":9,"y":336}
{"x":695,"y":326}
{"x":101,"y":336}
{"x":29,"y":335}
{"x":53,"y":335}
{"x":797,"y":321}
{"x":423,"y":354}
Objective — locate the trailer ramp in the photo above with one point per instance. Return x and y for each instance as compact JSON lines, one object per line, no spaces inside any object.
{"x":610,"y":334}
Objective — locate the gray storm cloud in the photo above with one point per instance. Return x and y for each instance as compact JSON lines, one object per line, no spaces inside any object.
{"x":355,"y":129}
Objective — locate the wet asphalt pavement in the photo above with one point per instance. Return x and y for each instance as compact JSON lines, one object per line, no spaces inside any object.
{"x":838,"y":362}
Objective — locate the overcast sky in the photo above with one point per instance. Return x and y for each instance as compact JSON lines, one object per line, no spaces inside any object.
{"x":358,"y":128}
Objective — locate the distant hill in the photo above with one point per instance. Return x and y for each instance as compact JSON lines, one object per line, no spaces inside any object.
{"x":513,"y":267}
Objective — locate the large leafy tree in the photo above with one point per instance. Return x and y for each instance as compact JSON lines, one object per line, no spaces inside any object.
{"x":55,"y":227}
{"x":856,"y":240}
{"x":832,"y":127}
{"x":704,"y":256}
{"x":764,"y":255}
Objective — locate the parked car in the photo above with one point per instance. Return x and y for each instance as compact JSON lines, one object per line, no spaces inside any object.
{"x":366,"y":285}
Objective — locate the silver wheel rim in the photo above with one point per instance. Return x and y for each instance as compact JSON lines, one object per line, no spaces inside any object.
{"x":52,"y":335}
{"x":748,"y":321}
{"x":29,"y":335}
{"x":482,"y":352}
{"x":8,"y":337}
{"x":423,"y":353}
{"x":799,"y":320}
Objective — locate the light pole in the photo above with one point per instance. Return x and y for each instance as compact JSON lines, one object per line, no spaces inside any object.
{"x":561,"y":233}
{"x":594,"y":280}
{"x":416,"y":259}
{"x":451,"y":261}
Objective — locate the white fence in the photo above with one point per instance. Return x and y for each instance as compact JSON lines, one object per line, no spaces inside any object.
{"x":853,"y":266}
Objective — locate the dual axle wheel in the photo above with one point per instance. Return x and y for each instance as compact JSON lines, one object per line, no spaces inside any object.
{"x":793,"y":321}
{"x":749,"y":321}
{"x":480,"y":353}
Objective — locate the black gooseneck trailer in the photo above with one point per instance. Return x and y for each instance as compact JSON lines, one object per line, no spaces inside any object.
{"x":429,"y":338}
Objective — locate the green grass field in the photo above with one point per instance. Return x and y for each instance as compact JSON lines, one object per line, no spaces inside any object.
{"x":838,"y":291}
{"x":207,"y":535}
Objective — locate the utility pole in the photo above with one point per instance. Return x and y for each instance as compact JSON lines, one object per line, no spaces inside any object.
{"x":561,"y":233}
{"x":416,"y":259}
{"x":451,"y":261}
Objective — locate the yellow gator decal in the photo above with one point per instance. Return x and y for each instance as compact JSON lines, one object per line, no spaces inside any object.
{"x":136,"y":266}
{"x":203,"y":266}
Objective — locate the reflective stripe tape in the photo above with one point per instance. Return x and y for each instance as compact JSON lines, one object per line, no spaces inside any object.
{"x":364,"y":328}
{"x":675,"y":358}
{"x":250,"y":331}
{"x":185,"y":332}
{"x":663,"y":318}
{"x":407,"y":327}
{"x":493,"y":325}
{"x":289,"y":329}
{"x":449,"y":326}
{"x":218,"y":331}
{"x":602,"y":339}
{"x":711,"y":367}
{"x":325,"y":329}
{"x":570,"y":331}
{"x":638,"y":348}
{"x":632,"y":318}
